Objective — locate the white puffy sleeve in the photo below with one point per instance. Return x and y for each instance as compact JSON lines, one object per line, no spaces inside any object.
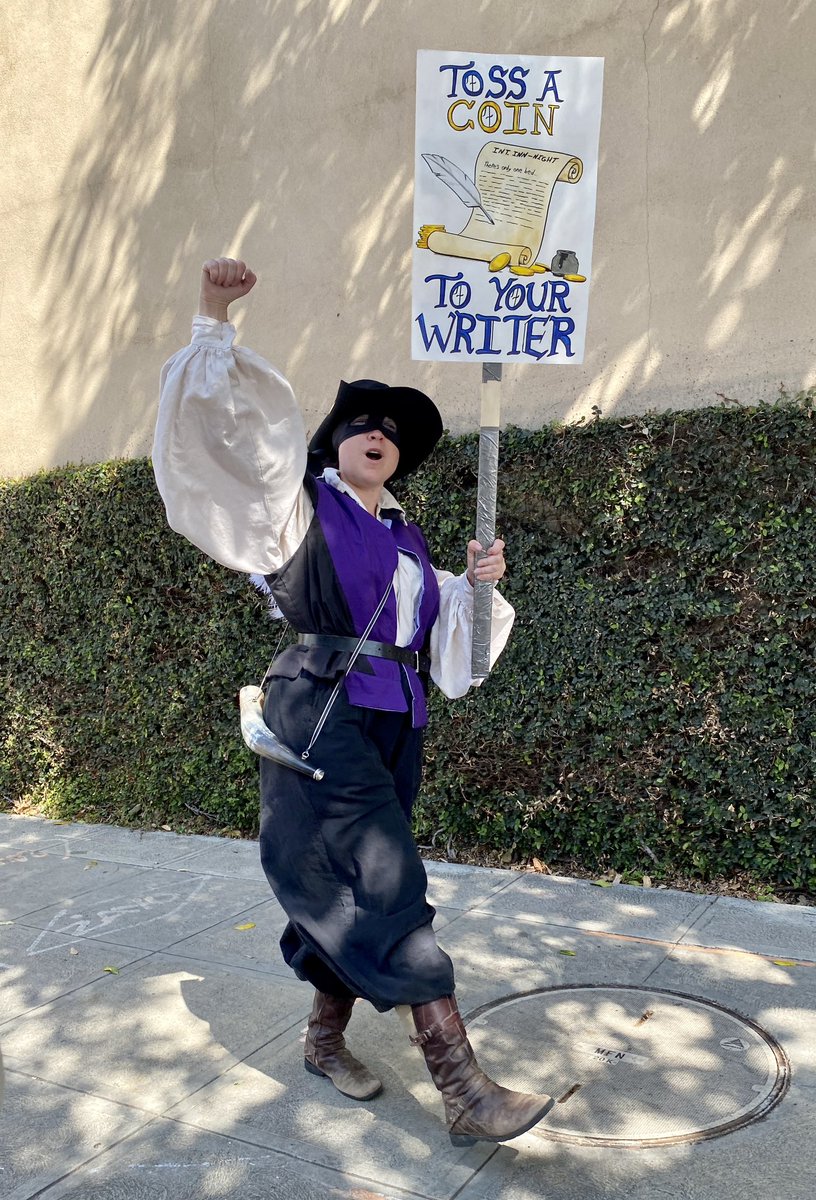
{"x":452,"y":634}
{"x":229,"y":453}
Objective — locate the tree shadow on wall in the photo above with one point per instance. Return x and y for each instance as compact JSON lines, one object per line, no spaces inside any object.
{"x":203,"y":137}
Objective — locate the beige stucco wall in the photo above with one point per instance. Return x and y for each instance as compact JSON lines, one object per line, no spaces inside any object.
{"x":142,"y":137}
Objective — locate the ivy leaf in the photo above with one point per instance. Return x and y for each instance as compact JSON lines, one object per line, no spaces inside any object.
{"x":111,"y":970}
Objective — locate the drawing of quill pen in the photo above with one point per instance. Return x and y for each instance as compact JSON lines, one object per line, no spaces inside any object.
{"x":458,"y":182}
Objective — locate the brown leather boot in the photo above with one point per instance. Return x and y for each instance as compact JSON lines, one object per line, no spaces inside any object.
{"x":325,"y":1051}
{"x":476,"y":1108}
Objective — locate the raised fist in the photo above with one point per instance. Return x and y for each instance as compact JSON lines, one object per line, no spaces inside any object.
{"x":222,"y":281}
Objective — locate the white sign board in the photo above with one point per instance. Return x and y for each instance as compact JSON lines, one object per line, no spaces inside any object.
{"x":504,"y":206}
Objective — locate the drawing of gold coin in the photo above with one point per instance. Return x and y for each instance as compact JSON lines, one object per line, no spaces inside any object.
{"x":539,"y":268}
{"x":499,"y":262}
{"x":575,"y":278}
{"x":522,"y":270}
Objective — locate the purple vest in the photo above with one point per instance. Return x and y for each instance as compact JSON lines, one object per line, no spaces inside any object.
{"x":334,"y":583}
{"x":364,"y":554}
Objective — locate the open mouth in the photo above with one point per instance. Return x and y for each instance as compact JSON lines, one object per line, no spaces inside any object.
{"x":374,"y":455}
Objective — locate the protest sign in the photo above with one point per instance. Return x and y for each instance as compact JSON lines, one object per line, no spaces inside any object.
{"x":504,"y":206}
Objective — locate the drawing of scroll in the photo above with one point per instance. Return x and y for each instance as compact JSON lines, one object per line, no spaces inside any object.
{"x":515,"y":184}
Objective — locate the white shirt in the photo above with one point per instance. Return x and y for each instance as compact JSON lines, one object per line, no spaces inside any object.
{"x":229,"y":456}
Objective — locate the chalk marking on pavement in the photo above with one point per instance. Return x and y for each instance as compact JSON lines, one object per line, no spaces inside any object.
{"x":107,"y":918}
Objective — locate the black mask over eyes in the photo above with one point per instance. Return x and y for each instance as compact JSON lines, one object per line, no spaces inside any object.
{"x":364,"y":424}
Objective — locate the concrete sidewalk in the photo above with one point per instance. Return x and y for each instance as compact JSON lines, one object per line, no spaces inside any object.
{"x":151,"y":1036}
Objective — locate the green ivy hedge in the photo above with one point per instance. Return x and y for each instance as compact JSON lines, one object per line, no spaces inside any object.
{"x":654,"y":709}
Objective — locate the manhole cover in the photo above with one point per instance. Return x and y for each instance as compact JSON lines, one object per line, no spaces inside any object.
{"x":631,"y":1066}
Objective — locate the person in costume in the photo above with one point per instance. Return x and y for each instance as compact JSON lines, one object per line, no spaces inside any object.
{"x":334,"y":546}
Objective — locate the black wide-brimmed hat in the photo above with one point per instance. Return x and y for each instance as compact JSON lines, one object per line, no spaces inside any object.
{"x":416,"y":415}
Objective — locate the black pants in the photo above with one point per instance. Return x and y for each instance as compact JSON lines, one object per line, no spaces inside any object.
{"x":340,"y":855}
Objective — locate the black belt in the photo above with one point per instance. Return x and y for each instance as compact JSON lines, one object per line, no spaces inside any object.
{"x":400,"y":654}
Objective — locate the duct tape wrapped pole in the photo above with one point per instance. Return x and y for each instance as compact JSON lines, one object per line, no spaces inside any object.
{"x":486,"y":513}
